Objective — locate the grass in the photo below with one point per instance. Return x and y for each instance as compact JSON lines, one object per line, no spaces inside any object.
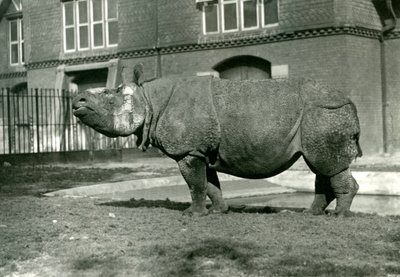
{"x":42,"y":236}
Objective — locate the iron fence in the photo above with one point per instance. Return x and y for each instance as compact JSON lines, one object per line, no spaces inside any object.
{"x":41,"y":120}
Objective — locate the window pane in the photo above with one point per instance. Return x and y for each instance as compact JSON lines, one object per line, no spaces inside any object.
{"x":83,"y":18}
{"x":14,"y":53}
{"x":98,"y":34}
{"x":83,"y":37}
{"x":230,"y":16}
{"x":70,"y":38}
{"x":14,"y":30}
{"x":69,"y":13}
{"x":23,"y":52}
{"x":113,"y":32}
{"x":112,"y":8}
{"x":250,"y":14}
{"x":97,"y":10}
{"x":270,"y":11}
{"x":211,"y":12}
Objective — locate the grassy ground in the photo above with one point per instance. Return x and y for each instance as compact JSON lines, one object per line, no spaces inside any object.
{"x":42,"y":236}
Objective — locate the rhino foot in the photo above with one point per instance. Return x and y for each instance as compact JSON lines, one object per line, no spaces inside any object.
{"x":345,"y":188}
{"x":219,"y":208}
{"x":314,"y":211}
{"x":195,"y":212}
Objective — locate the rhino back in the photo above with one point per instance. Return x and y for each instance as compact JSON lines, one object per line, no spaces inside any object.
{"x":256,"y":119}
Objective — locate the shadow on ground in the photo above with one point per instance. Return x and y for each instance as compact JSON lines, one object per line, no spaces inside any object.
{"x":181,"y":206}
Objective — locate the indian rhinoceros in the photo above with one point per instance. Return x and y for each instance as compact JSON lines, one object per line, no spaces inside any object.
{"x":250,"y":129}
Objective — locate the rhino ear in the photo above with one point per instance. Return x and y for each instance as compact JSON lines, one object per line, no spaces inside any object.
{"x":138,"y":74}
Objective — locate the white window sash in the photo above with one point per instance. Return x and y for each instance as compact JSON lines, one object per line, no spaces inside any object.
{"x":93,"y":23}
{"x":205,"y":23}
{"x":223,"y":3}
{"x":21,"y":41}
{"x":79,"y":24}
{"x":107,"y":21}
{"x":17,"y":42}
{"x":65,"y":27}
{"x":242,"y":16}
{"x":263,"y":16}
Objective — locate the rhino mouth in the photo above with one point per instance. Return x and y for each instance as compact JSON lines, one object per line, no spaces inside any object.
{"x":81,"y":110}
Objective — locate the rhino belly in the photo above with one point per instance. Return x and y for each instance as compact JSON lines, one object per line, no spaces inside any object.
{"x":255,"y":152}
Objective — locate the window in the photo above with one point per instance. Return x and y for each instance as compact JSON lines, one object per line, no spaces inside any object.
{"x":90,"y":24}
{"x":17,"y":55}
{"x":229,"y":15}
{"x":210,"y":19}
{"x":239,"y":15}
{"x":270,"y":12}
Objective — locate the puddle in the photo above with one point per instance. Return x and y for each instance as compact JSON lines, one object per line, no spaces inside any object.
{"x":383,"y":205}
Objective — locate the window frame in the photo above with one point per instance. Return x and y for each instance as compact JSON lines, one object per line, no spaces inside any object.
{"x":228,"y":2}
{"x":107,"y":21}
{"x":65,"y":27}
{"x":20,"y":42}
{"x":263,"y":15}
{"x":205,"y":22}
{"x":242,"y":15}
{"x":90,"y":24}
{"x":79,"y":24}
{"x":240,"y":18}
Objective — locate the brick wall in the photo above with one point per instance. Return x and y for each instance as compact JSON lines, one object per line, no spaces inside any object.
{"x":137,"y":24}
{"x":44,"y":17}
{"x":4,"y":47}
{"x":42,"y":78}
{"x":364,"y":84}
{"x":357,"y":13}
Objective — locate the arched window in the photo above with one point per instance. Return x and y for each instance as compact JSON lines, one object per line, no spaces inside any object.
{"x":244,"y":68}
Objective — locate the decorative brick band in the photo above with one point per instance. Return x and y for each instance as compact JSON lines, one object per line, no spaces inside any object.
{"x":12,"y":75}
{"x":393,"y":35}
{"x":222,"y":43}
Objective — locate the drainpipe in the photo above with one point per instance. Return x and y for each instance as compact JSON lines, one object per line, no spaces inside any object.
{"x":157,"y":44}
{"x":385,"y":104}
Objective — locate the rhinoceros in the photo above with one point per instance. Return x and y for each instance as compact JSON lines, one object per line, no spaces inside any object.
{"x":251,"y":129}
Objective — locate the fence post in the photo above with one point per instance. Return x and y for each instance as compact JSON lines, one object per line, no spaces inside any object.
{"x":9,"y":121}
{"x":37,"y":119}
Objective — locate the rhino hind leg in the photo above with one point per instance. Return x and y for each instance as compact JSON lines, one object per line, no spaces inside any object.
{"x":345,"y":188}
{"x":214,"y":192}
{"x":329,"y":140}
{"x":193,"y":171}
{"x":324,"y":195}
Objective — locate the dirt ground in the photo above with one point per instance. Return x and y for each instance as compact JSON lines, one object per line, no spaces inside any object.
{"x":42,"y":236}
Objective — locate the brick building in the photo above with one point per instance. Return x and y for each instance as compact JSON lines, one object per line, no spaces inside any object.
{"x":353,"y":45}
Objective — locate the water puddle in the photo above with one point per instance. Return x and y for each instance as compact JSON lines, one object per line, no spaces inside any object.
{"x":383,"y":205}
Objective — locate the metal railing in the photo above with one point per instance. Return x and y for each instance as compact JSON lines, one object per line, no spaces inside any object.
{"x":41,"y":120}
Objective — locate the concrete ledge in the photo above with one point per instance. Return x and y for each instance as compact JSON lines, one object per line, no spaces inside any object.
{"x":371,"y":183}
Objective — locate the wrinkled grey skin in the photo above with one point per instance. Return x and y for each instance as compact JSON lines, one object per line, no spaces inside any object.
{"x":251,"y":129}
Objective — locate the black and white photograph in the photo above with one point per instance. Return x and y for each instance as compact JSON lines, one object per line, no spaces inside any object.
{"x":191,"y":138}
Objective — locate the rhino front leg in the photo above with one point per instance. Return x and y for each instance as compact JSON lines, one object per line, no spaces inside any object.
{"x":345,"y":188}
{"x":324,"y":195}
{"x":214,"y":192}
{"x":193,"y":171}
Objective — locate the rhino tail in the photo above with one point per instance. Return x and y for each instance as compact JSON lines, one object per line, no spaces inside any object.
{"x":359,"y":150}
{"x":357,"y":135}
